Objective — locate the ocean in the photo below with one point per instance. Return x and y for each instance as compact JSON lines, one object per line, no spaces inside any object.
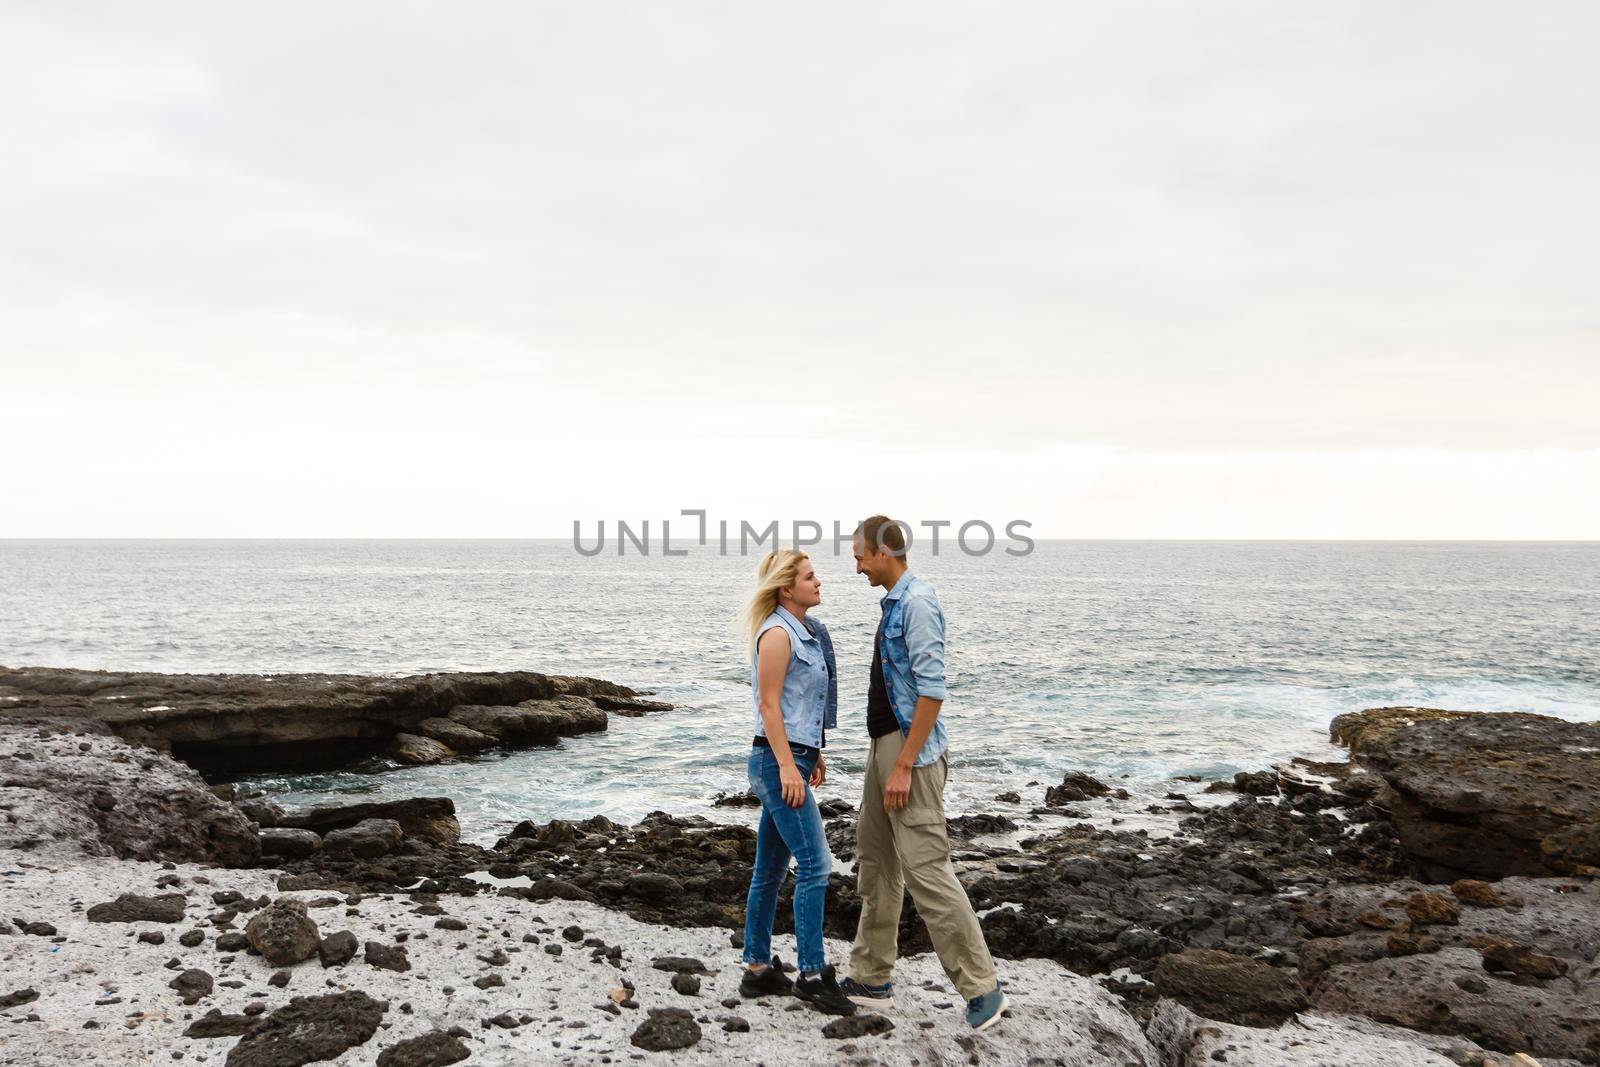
{"x":1134,"y":661}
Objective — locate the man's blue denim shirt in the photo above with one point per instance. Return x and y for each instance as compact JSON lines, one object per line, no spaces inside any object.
{"x":913,"y":657}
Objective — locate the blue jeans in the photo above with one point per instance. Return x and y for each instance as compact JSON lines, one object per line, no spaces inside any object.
{"x":786,"y":832}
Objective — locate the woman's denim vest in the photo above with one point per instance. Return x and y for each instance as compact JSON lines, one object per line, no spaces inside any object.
{"x":810,"y":700}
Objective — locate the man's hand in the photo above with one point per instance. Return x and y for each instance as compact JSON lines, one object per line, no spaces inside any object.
{"x":898,"y":792}
{"x":819,"y":773}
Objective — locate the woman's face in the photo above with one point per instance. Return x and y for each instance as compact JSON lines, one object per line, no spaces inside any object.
{"x":806,"y":592}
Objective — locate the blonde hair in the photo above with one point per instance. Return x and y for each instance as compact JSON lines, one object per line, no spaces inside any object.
{"x":776,"y":572}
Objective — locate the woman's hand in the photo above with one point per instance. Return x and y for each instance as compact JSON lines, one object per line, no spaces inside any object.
{"x":792,"y":785}
{"x":819,"y":773}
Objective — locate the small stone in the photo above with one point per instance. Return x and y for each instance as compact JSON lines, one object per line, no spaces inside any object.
{"x":388,"y":957}
{"x":279,"y":979}
{"x":1432,"y":909}
{"x":735,"y":1024}
{"x":573,"y":933}
{"x":191,"y":938}
{"x":337,"y":949}
{"x":436,"y":1048}
{"x":686,"y":984}
{"x":862,"y":1024}
{"x":665,"y":1029}
{"x":686,"y":964}
{"x":192,"y":985}
{"x":152,"y":937}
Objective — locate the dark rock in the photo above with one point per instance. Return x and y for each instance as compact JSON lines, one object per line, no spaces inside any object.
{"x":1428,"y":909}
{"x":18,"y":996}
{"x":437,"y":1048}
{"x":1009,"y":797}
{"x":1229,"y":988}
{"x":389,"y":957}
{"x":736,"y":1024}
{"x":454,"y":734}
{"x":283,"y":933}
{"x":152,"y":937}
{"x":409,"y":750}
{"x":133,"y":908}
{"x":287,"y":842}
{"x":573,"y":934}
{"x":422,"y":818}
{"x":215,"y":1024}
{"x":746,"y":799}
{"x":225,"y":723}
{"x":264,"y":813}
{"x":279,"y":979}
{"x":192,"y":938}
{"x":686,"y":984}
{"x":337,"y":949}
{"x":308,"y":1029}
{"x":1075,"y":786}
{"x":680,"y":964}
{"x":1256,"y":783}
{"x":861,"y":1024}
{"x":1520,"y":959}
{"x":192,"y":985}
{"x":1478,"y":894}
{"x":232,"y":941}
{"x":1479,"y":794}
{"x":666,"y":1028}
{"x":974,"y":825}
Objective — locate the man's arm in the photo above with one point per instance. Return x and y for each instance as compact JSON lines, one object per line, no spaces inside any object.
{"x":924,"y":635}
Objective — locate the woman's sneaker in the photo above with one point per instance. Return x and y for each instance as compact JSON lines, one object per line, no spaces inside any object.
{"x":822,"y":992}
{"x":983,"y":1012}
{"x":768,"y":982}
{"x":877,"y":997}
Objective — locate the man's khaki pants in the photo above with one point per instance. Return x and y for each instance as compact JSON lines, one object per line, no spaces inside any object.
{"x":910,"y":847}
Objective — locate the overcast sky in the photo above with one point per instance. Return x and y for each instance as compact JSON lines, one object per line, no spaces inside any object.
{"x":1123,"y":269}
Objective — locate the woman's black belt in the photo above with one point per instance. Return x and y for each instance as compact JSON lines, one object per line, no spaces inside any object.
{"x":794,"y":746}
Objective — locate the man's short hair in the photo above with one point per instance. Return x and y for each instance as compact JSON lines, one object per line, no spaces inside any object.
{"x":880,"y":530}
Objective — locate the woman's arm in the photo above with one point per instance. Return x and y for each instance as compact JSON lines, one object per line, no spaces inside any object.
{"x":772,"y":667}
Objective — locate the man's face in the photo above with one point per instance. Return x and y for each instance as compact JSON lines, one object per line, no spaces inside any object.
{"x":872,"y":564}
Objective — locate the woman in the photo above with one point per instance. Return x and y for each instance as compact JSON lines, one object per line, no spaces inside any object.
{"x":795,"y":700}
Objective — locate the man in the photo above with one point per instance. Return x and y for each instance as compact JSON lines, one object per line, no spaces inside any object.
{"x":900,"y":837}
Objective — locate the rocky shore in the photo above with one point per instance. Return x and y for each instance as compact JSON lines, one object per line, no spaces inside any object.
{"x":225,"y":723}
{"x":1432,"y":901}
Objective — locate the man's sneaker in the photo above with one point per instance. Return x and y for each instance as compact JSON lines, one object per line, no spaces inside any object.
{"x":767,"y":982}
{"x":868,"y":996}
{"x":983,"y":1012}
{"x":822,"y":992}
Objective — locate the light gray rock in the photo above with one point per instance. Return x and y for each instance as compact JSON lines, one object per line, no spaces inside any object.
{"x":367,"y":839}
{"x":99,"y":796}
{"x":1184,"y":1039}
{"x":415,"y":751}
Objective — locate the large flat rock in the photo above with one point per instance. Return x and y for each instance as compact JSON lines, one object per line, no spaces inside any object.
{"x":227,"y":723}
{"x":1486,"y":794}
